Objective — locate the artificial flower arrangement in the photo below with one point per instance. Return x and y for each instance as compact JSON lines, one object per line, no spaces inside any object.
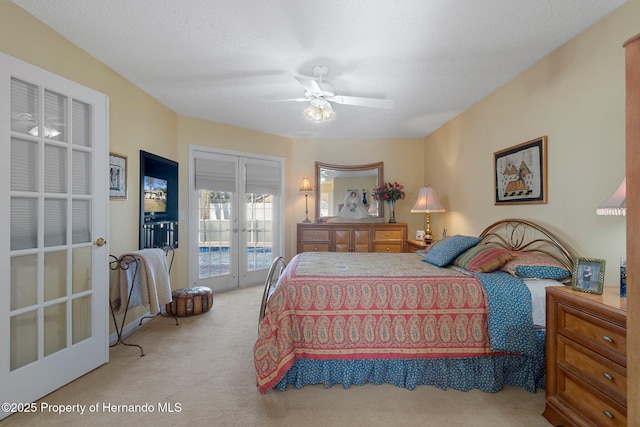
{"x":389,"y":192}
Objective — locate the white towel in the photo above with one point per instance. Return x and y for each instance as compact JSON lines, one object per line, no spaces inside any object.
{"x":151,"y":286}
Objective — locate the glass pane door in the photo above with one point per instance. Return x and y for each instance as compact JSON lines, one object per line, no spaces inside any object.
{"x":258,"y":235}
{"x":53,"y":326}
{"x":214,"y":233}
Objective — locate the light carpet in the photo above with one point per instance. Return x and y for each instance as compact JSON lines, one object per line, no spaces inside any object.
{"x":201,"y":373}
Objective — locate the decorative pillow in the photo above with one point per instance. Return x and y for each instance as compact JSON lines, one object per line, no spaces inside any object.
{"x":446,"y":250}
{"x":532,"y":265}
{"x":483,"y":258}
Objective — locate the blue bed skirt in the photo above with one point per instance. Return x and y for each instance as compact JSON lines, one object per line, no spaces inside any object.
{"x":489,"y":374}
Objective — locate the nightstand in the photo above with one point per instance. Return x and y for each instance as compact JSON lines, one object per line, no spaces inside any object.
{"x":586,"y":358}
{"x":416,"y":245}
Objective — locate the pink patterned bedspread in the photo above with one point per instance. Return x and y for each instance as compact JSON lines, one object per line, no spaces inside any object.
{"x":369,"y":306}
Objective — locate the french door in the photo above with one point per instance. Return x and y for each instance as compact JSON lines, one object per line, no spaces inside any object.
{"x":53,"y":257}
{"x":235,"y":220}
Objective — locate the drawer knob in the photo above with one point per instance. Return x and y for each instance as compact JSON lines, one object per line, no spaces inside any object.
{"x":608,"y":376}
{"x":388,"y":249}
{"x":608,"y":339}
{"x":607,"y":414}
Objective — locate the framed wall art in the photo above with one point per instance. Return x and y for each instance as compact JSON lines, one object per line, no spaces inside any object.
{"x":588,"y":275}
{"x":520,"y":173}
{"x":117,"y":177}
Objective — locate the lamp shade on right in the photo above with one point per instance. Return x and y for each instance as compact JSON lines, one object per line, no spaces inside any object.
{"x":616,"y":204}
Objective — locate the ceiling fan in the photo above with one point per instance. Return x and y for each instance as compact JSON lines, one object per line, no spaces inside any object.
{"x":320,"y":94}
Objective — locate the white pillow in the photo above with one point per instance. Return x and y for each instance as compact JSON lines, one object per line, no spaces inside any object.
{"x":539,"y":299}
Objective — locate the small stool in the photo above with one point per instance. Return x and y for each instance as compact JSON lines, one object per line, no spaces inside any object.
{"x":190,"y":301}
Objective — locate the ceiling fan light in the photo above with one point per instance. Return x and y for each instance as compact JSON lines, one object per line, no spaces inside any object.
{"x":319,"y":114}
{"x":328,"y":113}
{"x":311,"y":113}
{"x":49,"y":132}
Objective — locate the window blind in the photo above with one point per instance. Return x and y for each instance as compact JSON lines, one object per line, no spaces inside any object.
{"x":262,"y":177}
{"x":215,"y":175}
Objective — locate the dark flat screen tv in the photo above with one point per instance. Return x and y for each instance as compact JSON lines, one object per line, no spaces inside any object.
{"x":158,"y":200}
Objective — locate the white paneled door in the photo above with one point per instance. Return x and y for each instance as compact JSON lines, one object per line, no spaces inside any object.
{"x":53,"y":254}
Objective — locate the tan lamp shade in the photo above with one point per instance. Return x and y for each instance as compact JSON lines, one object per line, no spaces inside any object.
{"x":616,"y":204}
{"x":427,"y":202}
{"x":305,"y":187}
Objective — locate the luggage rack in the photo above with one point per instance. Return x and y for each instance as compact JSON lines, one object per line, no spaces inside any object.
{"x":126,"y":262}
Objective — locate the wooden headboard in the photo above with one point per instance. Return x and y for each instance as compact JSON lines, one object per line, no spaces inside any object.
{"x":521,"y":235}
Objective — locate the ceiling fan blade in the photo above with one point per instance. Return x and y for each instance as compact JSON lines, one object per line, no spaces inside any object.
{"x":310,"y":85}
{"x":386,"y":104}
{"x":292,"y":100}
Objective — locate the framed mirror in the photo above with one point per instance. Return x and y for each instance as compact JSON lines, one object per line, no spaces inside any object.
{"x":333,"y":181}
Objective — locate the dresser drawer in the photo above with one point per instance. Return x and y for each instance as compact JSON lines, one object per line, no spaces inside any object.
{"x":593,"y":368}
{"x":603,"y":337}
{"x":315,"y":247}
{"x":393,"y":234}
{"x":590,"y":403}
{"x":315,"y":235}
{"x":388,"y":247}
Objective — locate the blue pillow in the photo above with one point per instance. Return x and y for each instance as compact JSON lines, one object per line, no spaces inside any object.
{"x":554,"y":273}
{"x":531,"y":265}
{"x":444,"y":251}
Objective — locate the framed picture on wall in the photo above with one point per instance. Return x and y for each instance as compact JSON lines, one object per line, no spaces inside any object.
{"x":117,"y":176}
{"x":520,"y":173}
{"x":588,"y":275}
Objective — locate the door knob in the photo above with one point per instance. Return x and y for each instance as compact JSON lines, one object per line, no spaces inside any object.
{"x":100,"y":242}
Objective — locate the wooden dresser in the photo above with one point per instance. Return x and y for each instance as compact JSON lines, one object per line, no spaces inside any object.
{"x":586,"y":358}
{"x":352,"y":237}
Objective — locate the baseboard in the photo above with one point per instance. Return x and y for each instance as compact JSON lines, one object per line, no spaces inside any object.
{"x":129,"y":329}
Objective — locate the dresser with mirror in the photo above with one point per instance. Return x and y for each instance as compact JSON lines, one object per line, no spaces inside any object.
{"x":334,"y":232}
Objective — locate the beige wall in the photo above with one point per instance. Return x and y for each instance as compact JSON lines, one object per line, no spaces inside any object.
{"x":576,"y":97}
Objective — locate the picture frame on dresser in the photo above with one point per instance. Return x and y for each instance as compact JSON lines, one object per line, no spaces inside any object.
{"x":588,"y":275}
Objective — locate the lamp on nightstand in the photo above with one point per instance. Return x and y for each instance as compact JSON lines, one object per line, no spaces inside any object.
{"x":305,"y":188}
{"x":427,"y":202}
{"x":616,"y":204}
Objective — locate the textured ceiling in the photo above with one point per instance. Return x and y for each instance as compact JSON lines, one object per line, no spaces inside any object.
{"x":231,"y":61}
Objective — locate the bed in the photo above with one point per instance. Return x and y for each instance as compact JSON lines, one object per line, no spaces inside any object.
{"x":460,"y":316}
